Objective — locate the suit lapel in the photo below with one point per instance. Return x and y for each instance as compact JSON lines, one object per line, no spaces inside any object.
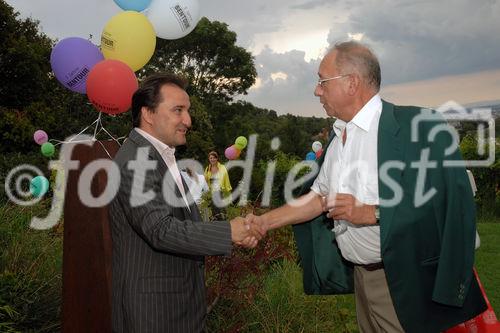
{"x":163,"y":169}
{"x":389,"y":149}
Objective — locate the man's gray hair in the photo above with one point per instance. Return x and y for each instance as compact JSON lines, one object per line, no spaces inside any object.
{"x":355,"y":56}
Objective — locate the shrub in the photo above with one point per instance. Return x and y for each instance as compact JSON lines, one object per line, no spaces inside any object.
{"x":30,"y":272}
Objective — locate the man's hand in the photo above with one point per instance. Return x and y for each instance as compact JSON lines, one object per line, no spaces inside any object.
{"x":258,"y":224}
{"x":343,"y":206}
{"x":255,"y":228}
{"x":242,"y":233}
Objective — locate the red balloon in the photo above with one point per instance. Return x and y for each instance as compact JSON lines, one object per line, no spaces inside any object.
{"x":318,"y":153}
{"x":110,"y":86}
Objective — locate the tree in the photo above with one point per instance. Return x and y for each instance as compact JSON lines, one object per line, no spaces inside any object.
{"x":208,"y":57}
{"x":200,"y":136}
{"x":24,"y":65}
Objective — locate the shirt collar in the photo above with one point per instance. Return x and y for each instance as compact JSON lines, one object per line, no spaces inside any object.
{"x":159,"y":145}
{"x":363,"y":118}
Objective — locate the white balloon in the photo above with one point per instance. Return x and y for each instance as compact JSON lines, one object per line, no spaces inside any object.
{"x":316,"y":146}
{"x":173,"y":19}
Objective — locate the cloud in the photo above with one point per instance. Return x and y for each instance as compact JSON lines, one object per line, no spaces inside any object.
{"x":414,"y":40}
{"x":247,"y":18}
{"x":286,"y":83}
{"x":312,"y":4}
{"x":61,"y":19}
{"x":421,"y":40}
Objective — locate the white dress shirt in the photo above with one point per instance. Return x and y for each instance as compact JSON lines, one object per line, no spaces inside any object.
{"x":352,"y":168}
{"x":197,"y":185}
{"x":168,"y":155}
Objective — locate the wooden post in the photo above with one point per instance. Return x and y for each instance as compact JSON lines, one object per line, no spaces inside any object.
{"x":87,"y":249}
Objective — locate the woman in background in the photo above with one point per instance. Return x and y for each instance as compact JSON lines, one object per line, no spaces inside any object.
{"x":218,"y":180}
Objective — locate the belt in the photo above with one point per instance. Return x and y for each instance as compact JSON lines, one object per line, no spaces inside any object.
{"x":372,"y":267}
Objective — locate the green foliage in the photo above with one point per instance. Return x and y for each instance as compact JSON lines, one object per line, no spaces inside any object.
{"x":24,"y":67}
{"x":296,"y":133}
{"x":30,"y":272}
{"x":258,"y":290}
{"x":199,"y":137}
{"x":209,"y":58}
{"x":284,"y":163}
{"x":487,"y":179}
{"x":280,"y":305}
{"x":9,"y":161}
{"x":234,"y":281}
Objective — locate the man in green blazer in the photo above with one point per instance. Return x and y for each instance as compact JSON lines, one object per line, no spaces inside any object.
{"x":389,"y":215}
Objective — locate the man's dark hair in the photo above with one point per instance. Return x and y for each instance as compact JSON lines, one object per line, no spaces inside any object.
{"x":149,"y":95}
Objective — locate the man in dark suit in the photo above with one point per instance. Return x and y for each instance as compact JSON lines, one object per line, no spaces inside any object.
{"x":159,"y":239}
{"x":385,"y":216}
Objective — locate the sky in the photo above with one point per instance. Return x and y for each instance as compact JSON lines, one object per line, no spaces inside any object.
{"x":430,"y":52}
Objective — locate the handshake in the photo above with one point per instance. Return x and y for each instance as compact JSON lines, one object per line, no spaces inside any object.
{"x":248,"y":231}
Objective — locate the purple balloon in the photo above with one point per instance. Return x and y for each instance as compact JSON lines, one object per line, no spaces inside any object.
{"x":72,"y":59}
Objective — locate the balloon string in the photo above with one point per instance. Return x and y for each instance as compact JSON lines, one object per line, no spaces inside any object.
{"x":107,"y":152}
{"x":106,"y":131}
{"x":75,"y":136}
{"x":97,"y":125}
{"x":97,"y":129}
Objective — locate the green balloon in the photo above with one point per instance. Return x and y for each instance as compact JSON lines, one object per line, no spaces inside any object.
{"x":241,"y":142}
{"x":39,"y":186}
{"x":48,"y":149}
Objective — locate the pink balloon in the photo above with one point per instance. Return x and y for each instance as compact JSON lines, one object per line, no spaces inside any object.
{"x":232,"y":153}
{"x":40,"y":137}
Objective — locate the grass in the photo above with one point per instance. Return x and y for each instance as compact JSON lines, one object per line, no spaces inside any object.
{"x":30,"y":285}
{"x":30,"y":272}
{"x":282,"y":306}
{"x":488,"y":261}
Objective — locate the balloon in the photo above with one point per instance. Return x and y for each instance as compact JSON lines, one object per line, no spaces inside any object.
{"x":72,"y":59}
{"x":110,"y":86}
{"x":232,"y":152}
{"x":311,"y":156}
{"x":137,"y":5}
{"x":40,"y":137}
{"x":241,"y":142}
{"x":173,"y":19}
{"x":316,"y":146}
{"x":39,"y":185}
{"x":48,"y":149}
{"x":318,"y":153}
{"x":129,"y":37}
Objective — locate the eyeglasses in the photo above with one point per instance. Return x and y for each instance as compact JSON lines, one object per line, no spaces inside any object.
{"x":321,"y":81}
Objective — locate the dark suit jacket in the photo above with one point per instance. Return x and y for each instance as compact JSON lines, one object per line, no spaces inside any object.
{"x":428,"y":251}
{"x":158,"y":250}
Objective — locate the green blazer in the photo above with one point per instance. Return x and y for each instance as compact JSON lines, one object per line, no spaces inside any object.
{"x":428,"y":251}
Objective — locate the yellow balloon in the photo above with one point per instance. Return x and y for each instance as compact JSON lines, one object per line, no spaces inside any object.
{"x":129,"y":37}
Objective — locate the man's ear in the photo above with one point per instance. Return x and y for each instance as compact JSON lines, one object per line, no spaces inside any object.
{"x":354,"y":84}
{"x":146,"y":115}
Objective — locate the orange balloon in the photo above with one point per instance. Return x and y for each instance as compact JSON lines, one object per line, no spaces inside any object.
{"x":110,"y":86}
